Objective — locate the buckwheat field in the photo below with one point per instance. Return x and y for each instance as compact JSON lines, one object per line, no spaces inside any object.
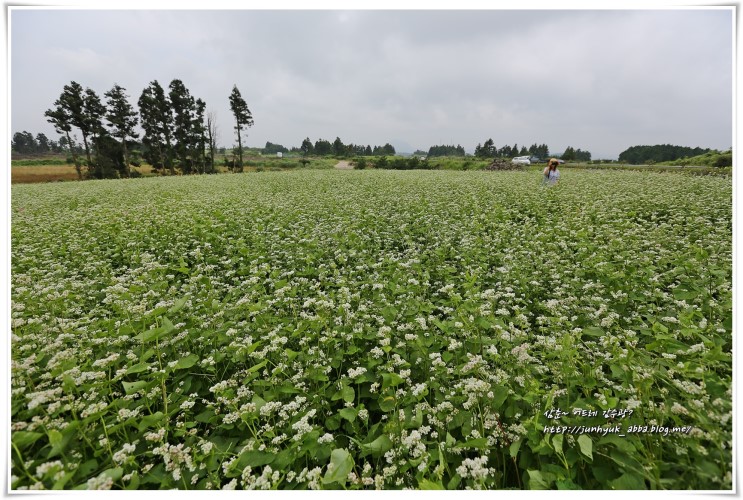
{"x":373,"y":330}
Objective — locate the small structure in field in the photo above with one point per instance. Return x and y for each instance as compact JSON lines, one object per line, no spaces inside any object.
{"x":279,"y":155}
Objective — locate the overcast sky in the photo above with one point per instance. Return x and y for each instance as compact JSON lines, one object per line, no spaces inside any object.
{"x":601,"y":81}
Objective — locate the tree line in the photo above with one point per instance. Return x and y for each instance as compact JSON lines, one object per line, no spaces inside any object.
{"x":178,"y":132}
{"x":446,"y":150}
{"x":489,"y":150}
{"x":25,"y":143}
{"x":322,"y":147}
{"x":636,"y":155}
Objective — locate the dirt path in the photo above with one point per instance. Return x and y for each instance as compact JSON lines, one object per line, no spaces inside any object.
{"x":343,"y":165}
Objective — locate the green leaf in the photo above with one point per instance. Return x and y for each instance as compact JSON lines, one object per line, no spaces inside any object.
{"x":450,"y":441}
{"x":628,"y":481}
{"x":387,"y":404}
{"x":454,"y":482}
{"x":63,"y":480}
{"x":391,"y":380}
{"x":257,"y":367}
{"x":156,"y":333}
{"x":348,"y":394}
{"x":586,"y":446}
{"x":342,"y":464}
{"x":132,"y":387}
{"x":333,"y":422}
{"x":500,"y":394}
{"x":177,"y":305}
{"x":479,"y":443}
{"x":659,"y":328}
{"x":513,"y":450}
{"x":114,"y":473}
{"x":348,"y":413}
{"x":557,"y":442}
{"x":150,"y":420}
{"x":60,"y":440}
{"x":55,"y":437}
{"x":254,"y":458}
{"x":186,"y":362}
{"x":536,"y":481}
{"x":23,"y":439}
{"x":87,"y":467}
{"x":567,"y":484}
{"x":138,"y":368}
{"x":425,"y":484}
{"x":382,"y":444}
{"x":205,"y":416}
{"x":593,"y":331}
{"x":680,"y":294}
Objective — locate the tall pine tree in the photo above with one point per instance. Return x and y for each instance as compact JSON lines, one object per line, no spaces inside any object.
{"x":122,"y":118}
{"x":243,"y":118}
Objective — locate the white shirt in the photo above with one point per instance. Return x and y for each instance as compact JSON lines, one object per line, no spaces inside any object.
{"x":553,"y":176}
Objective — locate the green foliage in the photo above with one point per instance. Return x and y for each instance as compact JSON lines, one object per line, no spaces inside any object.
{"x":658,"y":153}
{"x":402,"y":163}
{"x":243,"y":119}
{"x":572,"y":154}
{"x":25,"y":143}
{"x":378,"y":329}
{"x":272,"y":148}
{"x":445,"y":151}
{"x":715,"y":159}
{"x":157,"y":122}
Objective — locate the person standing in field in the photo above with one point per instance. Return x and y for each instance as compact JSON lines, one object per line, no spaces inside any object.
{"x":551,"y":174}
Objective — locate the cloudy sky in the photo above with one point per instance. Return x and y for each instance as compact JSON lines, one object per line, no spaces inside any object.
{"x":600,"y":80}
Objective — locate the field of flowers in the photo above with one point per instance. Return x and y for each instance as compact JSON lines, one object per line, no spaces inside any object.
{"x":373,"y":329}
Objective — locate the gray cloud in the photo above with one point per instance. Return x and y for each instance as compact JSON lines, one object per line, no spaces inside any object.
{"x":596,"y":80}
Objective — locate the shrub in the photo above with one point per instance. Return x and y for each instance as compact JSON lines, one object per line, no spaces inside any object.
{"x":723,"y":161}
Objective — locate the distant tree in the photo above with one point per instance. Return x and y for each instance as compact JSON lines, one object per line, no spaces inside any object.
{"x":23,"y":143}
{"x":243,"y":118}
{"x":323,"y":147}
{"x":157,"y":123}
{"x":272,"y":148}
{"x":388,"y":149}
{"x":338,"y":148}
{"x":67,"y":112}
{"x":199,"y":134}
{"x":43,"y":143}
{"x":368,"y":150}
{"x":660,"y":152}
{"x":307,"y":148}
{"x":487,"y":150}
{"x":213,"y":134}
{"x":94,"y":111}
{"x":569,"y":154}
{"x":74,"y":102}
{"x":446,"y":151}
{"x":581,"y":155}
{"x":184,"y":116}
{"x":122,"y":118}
{"x":109,"y":157}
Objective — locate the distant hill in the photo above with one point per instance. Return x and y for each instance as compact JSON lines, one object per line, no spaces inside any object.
{"x":709,"y":159}
{"x":637,"y":155}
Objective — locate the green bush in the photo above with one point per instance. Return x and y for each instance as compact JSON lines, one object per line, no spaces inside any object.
{"x":723,"y":161}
